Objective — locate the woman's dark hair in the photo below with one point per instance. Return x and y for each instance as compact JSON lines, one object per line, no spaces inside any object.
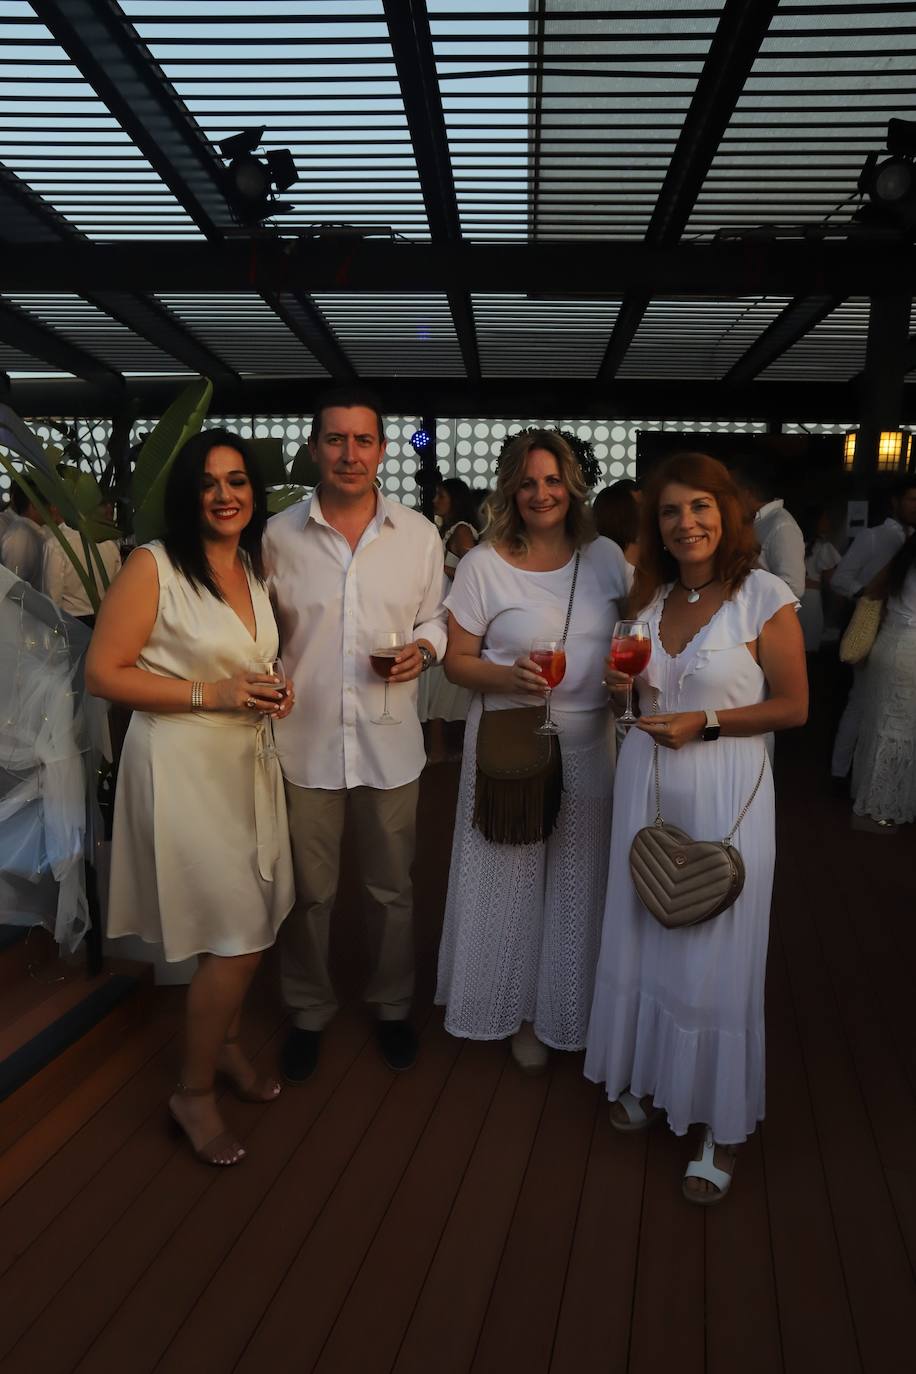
{"x":183,"y":538}
{"x":462,"y":505}
{"x":900,"y":565}
{"x":738,"y":549}
{"x":616,"y":513}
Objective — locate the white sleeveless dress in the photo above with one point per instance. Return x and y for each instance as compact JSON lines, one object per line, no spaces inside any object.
{"x":678,"y":1014}
{"x":884,"y":768}
{"x":201,"y":859}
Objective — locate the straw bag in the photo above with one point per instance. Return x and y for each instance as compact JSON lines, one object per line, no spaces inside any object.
{"x":862,"y":630}
{"x":519,"y":785}
{"x":682,"y":881}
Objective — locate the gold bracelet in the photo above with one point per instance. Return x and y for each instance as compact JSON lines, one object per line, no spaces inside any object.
{"x":197,"y":696}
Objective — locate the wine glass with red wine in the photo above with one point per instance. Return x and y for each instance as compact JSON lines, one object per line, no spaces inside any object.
{"x":386,"y":645}
{"x":631,"y":649}
{"x":550,"y":656}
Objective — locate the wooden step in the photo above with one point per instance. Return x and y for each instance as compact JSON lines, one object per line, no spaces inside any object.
{"x":42,"y":1015}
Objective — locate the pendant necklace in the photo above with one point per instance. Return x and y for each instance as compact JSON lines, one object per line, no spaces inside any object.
{"x":693,"y":593}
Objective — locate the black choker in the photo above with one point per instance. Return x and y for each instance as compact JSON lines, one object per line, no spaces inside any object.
{"x":693,"y":593}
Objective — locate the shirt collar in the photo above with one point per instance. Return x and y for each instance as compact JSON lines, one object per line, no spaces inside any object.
{"x":386,"y":512}
{"x":769,"y":508}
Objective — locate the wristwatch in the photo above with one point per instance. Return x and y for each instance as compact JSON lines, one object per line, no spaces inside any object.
{"x":712,"y":728}
{"x":427,"y":656}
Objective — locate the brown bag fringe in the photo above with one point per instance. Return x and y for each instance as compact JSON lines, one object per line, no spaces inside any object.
{"x":519,"y":786}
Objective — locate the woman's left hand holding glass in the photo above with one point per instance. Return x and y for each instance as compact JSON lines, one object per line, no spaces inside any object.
{"x":674,"y":729}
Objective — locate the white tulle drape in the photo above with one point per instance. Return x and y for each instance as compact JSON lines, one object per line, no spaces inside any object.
{"x":52,"y":736}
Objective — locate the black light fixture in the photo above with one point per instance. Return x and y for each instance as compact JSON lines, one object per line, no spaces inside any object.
{"x":890,"y":182}
{"x":251,"y":180}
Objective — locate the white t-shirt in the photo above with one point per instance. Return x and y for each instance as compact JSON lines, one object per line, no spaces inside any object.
{"x":508,"y":608}
{"x":821,"y":559}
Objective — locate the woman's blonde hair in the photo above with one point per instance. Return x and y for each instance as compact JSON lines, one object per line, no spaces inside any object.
{"x":504,"y":524}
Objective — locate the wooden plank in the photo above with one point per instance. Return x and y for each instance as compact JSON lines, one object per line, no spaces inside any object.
{"x":63,"y":1126}
{"x":334,"y":1248}
{"x":668,"y":1328}
{"x":63,"y":1076}
{"x":84,"y":1307}
{"x":372,"y":1321}
{"x":593,"y":1328}
{"x":452,"y":1305}
{"x":521,"y":1318}
{"x":33,"y":1281}
{"x":45,"y":1004}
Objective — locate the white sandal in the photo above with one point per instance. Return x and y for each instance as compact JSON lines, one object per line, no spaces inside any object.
{"x":705,"y":1167}
{"x":638,"y":1119}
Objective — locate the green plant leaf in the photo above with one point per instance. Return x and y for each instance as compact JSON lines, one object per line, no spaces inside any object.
{"x":268,"y":454}
{"x":281,"y":497}
{"x":304,"y":469}
{"x":183,"y":418}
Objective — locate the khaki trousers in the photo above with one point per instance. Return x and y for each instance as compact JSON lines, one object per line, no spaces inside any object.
{"x":385,"y":826}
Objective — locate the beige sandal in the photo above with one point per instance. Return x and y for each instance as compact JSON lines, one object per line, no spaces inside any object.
{"x":214,"y":1151}
{"x":706,"y":1168}
{"x":638,"y":1119}
{"x":266,"y":1089}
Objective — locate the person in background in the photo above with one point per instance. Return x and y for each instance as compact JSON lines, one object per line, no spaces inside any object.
{"x":440,"y":700}
{"x":22,"y":543}
{"x":348,"y":567}
{"x":61,"y":580}
{"x":871,"y":550}
{"x":615,"y":511}
{"x":782,"y":544}
{"x":520,"y":935}
{"x":820,"y":560}
{"x":480,"y":496}
{"x":200,"y":859}
{"x":884,"y":767}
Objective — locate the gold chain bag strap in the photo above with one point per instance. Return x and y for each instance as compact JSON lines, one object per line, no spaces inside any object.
{"x":519,"y":785}
{"x":682,"y":881}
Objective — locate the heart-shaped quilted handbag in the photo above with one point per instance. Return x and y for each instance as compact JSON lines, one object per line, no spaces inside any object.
{"x":682,"y":881}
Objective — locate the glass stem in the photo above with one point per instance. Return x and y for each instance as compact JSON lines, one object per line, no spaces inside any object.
{"x":548,"y":694}
{"x":385,"y":711}
{"x":629,"y":710}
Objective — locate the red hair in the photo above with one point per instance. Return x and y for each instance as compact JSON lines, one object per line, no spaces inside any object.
{"x":738,"y":549}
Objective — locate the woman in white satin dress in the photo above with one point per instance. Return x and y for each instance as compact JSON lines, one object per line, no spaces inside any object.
{"x":201,"y":858}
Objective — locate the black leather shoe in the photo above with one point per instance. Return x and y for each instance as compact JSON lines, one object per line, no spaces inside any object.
{"x":397,"y":1042}
{"x":300,"y":1054}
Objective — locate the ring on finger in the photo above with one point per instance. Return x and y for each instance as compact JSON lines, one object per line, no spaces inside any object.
{"x":251,"y":703}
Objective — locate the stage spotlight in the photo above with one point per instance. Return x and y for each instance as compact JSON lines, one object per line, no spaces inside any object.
{"x":250,"y":180}
{"x":901,"y":137}
{"x":890,"y":185}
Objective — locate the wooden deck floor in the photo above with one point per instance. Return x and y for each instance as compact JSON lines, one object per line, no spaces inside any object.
{"x":463,"y":1218}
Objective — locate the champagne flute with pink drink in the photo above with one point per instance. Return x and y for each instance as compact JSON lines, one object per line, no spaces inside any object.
{"x":631,"y":649}
{"x":550,"y":656}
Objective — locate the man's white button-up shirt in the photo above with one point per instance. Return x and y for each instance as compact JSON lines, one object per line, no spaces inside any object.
{"x":868,"y":553}
{"x":330,"y":602}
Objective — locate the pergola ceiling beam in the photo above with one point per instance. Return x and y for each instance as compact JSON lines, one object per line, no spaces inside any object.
{"x":34,"y":226}
{"x":415,"y":63}
{"x":739,"y":34}
{"x":655,"y":399}
{"x":20,"y":331}
{"x":798,"y":318}
{"x":590,"y":271}
{"x":121,"y":69}
{"x":308,"y":324}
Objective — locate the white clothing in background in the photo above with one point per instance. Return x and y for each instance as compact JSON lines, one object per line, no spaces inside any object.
{"x":678,"y":1014}
{"x":870,"y":551}
{"x":62,"y":583}
{"x":782,"y":545}
{"x":438,"y":698}
{"x":884,"y":769}
{"x":22,"y":549}
{"x":330,"y":602}
{"x":821,"y":559}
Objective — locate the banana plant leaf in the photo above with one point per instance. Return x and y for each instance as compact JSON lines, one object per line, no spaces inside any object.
{"x":268,"y":454}
{"x":282,"y":497}
{"x":304,"y":469}
{"x":184,"y":418}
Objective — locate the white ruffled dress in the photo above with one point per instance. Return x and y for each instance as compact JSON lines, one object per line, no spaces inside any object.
{"x":678,"y":1014}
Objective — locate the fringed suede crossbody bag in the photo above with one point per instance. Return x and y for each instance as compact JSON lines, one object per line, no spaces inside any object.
{"x":519,"y":784}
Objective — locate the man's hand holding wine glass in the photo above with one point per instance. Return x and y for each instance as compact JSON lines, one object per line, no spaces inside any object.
{"x":408,"y":663}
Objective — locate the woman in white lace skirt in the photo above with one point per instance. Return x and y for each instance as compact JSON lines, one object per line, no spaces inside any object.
{"x":520,"y":939}
{"x":884,"y":769}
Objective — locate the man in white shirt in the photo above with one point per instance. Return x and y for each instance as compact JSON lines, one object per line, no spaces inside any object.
{"x":782,"y":544}
{"x":61,"y":580}
{"x":346,"y":566}
{"x":870,"y":551}
{"x":22,"y":544}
